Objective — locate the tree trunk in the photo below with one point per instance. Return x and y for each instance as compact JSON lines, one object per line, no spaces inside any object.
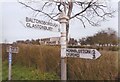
{"x":67,"y":32}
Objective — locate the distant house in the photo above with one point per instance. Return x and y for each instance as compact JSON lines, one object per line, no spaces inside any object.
{"x":50,"y":41}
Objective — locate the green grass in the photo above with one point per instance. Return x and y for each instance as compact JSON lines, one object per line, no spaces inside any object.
{"x":119,"y":61}
{"x":0,"y":70}
{"x":38,"y":62}
{"x":0,"y":63}
{"x":24,"y":73}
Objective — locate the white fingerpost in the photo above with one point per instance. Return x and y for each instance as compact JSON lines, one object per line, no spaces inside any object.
{"x":63,"y":19}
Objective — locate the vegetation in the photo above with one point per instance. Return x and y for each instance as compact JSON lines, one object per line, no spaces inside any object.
{"x":0,"y":62}
{"x":110,"y":36}
{"x":0,"y":69}
{"x":20,"y":72}
{"x":107,"y":48}
{"x":119,"y":58}
{"x":104,"y":68}
{"x":105,"y":37}
{"x":43,"y":62}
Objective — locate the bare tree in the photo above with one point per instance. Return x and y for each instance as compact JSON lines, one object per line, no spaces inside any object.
{"x":87,"y":11}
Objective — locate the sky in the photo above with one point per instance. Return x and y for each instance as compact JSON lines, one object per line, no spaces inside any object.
{"x":13,"y":13}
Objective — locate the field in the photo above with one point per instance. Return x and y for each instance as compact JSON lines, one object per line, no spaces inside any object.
{"x":0,"y":63}
{"x":37,"y":62}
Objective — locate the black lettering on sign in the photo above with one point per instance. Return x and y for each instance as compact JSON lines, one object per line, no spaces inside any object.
{"x":93,"y":53}
{"x":76,"y":55}
{"x":50,"y":28}
{"x":28,"y":25}
{"x":72,"y":55}
{"x":88,"y":51}
{"x":27,"y":19}
{"x":37,"y":21}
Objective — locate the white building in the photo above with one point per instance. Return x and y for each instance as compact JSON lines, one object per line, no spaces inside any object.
{"x":50,"y":41}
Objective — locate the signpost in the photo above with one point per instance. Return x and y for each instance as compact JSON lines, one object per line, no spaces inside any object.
{"x":65,"y":52}
{"x":63,"y":19}
{"x":11,"y":50}
{"x":82,"y":53}
{"x":42,"y":25}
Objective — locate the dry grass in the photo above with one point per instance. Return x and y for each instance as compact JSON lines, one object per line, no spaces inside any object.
{"x":104,"y":68}
{"x":44,"y":58}
{"x":47,"y":59}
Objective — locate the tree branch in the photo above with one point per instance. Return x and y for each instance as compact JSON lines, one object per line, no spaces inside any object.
{"x":90,"y":21}
{"x":38,"y":11}
{"x":44,"y":5}
{"x":70,"y":7}
{"x":81,"y":21}
{"x":88,"y":6}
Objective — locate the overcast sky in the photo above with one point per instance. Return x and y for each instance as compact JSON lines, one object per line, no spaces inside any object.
{"x":12,"y":29}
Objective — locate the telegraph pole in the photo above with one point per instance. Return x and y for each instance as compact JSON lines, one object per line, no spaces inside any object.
{"x":63,"y":19}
